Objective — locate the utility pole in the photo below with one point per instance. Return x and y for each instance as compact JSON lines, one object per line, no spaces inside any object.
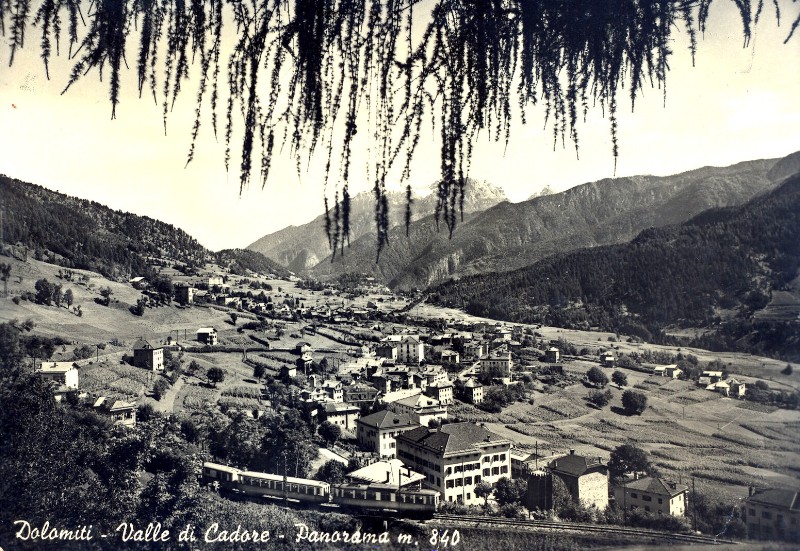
{"x":285,"y":482}
{"x":694,"y":507}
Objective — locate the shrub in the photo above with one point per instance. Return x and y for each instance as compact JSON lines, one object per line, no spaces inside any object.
{"x":83,"y":352}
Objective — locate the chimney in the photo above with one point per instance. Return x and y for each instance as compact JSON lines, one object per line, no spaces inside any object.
{"x":572,"y":452}
{"x":749,"y":491}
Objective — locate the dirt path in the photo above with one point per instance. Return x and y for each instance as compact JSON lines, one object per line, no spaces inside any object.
{"x":167,"y":402}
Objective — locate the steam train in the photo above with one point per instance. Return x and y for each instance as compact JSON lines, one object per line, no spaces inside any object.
{"x":382,"y":499}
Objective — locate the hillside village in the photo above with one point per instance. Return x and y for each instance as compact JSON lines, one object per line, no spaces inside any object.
{"x":519,"y":419}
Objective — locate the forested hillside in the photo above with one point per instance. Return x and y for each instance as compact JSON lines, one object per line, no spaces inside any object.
{"x":714,"y":271}
{"x":238,"y":261}
{"x":85,"y":234}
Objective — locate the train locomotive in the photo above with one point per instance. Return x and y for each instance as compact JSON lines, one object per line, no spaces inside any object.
{"x":372,"y":498}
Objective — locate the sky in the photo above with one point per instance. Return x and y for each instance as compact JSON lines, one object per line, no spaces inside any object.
{"x":735,"y":104}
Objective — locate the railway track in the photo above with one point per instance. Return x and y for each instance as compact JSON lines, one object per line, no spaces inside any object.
{"x":575,"y":527}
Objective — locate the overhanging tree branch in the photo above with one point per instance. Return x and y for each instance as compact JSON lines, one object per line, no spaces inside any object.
{"x":313,"y":73}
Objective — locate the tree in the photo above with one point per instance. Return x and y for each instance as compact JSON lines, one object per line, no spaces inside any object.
{"x":5,"y":274}
{"x":330,"y":432}
{"x":484,"y":489}
{"x":332,"y":472}
{"x":44,"y":292}
{"x":628,"y":458}
{"x":510,"y":491}
{"x":58,"y":296}
{"x":634,"y":403}
{"x":106,"y":293}
{"x":193,"y":368}
{"x":259,"y":371}
{"x":215,"y":375}
{"x":596,"y":376}
{"x":787,"y":370}
{"x":10,"y":349}
{"x":361,"y":65}
{"x":599,"y":398}
{"x":619,"y":379}
{"x":68,"y":298}
{"x":160,"y":388}
{"x":234,"y":317}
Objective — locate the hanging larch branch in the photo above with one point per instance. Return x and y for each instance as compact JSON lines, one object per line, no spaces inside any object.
{"x":308,"y":75}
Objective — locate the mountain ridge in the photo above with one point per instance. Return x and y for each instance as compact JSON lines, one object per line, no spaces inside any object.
{"x":508,"y":235}
{"x":300,"y":248}
{"x":718,"y":271}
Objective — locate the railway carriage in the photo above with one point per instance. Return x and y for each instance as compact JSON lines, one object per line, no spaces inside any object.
{"x":227,"y":477}
{"x":362,"y":498}
{"x":386,"y":499}
{"x":273,"y":485}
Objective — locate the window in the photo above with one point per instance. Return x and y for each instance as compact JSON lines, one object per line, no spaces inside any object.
{"x":449,"y":483}
{"x":647,"y":508}
{"x":459,"y":482}
{"x":495,"y":470}
{"x":502,"y":457}
{"x":660,"y":501}
{"x":486,"y":472}
{"x":752,"y":512}
{"x":467,"y":480}
{"x":469,"y":496}
{"x":504,"y":469}
{"x":437,"y":468}
{"x":478,"y":479}
{"x":766,"y":514}
{"x":634,"y":495}
{"x":647,"y":498}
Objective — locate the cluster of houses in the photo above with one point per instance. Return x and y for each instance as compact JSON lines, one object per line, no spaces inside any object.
{"x":66,"y":379}
{"x":715,"y":381}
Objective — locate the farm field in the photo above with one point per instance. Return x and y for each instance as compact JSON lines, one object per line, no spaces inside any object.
{"x":689,"y":433}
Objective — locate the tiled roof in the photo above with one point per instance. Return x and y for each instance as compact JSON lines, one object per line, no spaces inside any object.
{"x":338,"y":407}
{"x":657,"y":486}
{"x":785,"y":499}
{"x":386,"y":419}
{"x":141,"y":343}
{"x":419,"y":400}
{"x":574,"y":465}
{"x":453,"y":437}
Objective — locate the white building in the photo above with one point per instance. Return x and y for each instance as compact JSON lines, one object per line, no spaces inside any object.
{"x":411,"y":350}
{"x":455,"y":457}
{"x":63,"y":373}
{"x":422,"y":409}
{"x":378,"y":432}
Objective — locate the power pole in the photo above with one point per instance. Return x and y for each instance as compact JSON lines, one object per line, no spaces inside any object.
{"x":694,"y":507}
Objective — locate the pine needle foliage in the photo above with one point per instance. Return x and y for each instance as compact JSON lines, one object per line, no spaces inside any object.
{"x":308,"y":75}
